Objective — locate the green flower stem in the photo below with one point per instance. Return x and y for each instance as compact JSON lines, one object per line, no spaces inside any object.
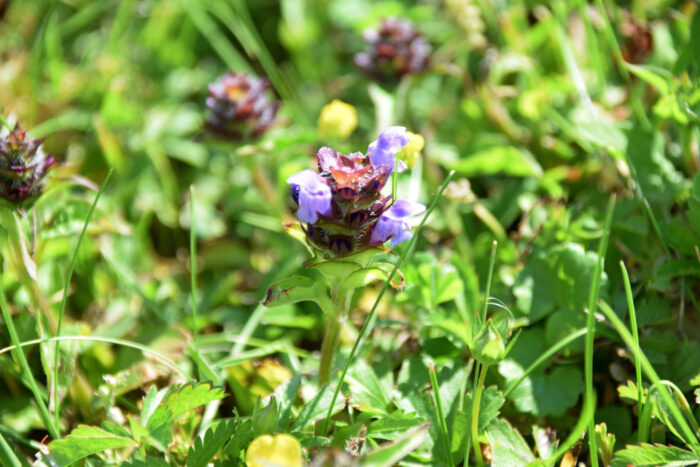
{"x":329,"y":347}
{"x":475,"y":416}
{"x":22,"y":359}
{"x":383,"y":290}
{"x":340,"y":298}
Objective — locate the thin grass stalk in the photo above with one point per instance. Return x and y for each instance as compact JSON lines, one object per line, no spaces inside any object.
{"x":22,"y":359}
{"x":635,"y":335}
{"x":440,"y":415}
{"x":373,"y":311}
{"x":651,"y":374}
{"x":193,"y":271}
{"x":108,"y":340}
{"x":7,"y":455}
{"x":64,"y":300}
{"x":590,"y":326}
{"x":476,"y":403}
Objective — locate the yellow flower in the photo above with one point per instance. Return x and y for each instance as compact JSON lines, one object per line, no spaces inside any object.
{"x":337,"y":120}
{"x":410,"y":153}
{"x":274,"y":451}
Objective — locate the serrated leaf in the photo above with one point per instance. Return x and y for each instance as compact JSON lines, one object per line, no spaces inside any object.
{"x":149,"y":462}
{"x":285,"y":395}
{"x":392,"y":453}
{"x":84,"y":441}
{"x":151,"y":402}
{"x":207,"y":446}
{"x":192,"y":395}
{"x":160,"y":427}
{"x":652,"y":455}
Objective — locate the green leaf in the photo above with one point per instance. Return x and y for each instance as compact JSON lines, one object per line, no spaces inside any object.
{"x":652,"y":455}
{"x":206,"y":447}
{"x":502,"y":160}
{"x":543,"y":394}
{"x":368,"y":394}
{"x":392,"y":453}
{"x":149,"y":462}
{"x":659,"y":78}
{"x":160,"y":427}
{"x":151,"y":402}
{"x":394,"y":425}
{"x":192,"y":395}
{"x":317,"y":408}
{"x":285,"y":395}
{"x":84,"y":441}
{"x":299,"y":289}
{"x":508,"y":446}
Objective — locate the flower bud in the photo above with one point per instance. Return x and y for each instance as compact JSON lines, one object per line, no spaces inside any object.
{"x":240,"y":106}
{"x":394,"y":50}
{"x":23,"y":165}
{"x":337,"y":120}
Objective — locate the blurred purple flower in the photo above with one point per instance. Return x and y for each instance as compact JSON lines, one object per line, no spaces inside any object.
{"x":384,"y":149}
{"x":312,"y":194}
{"x":392,"y":224}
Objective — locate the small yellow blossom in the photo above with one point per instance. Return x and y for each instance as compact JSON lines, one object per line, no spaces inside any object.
{"x":280,"y":450}
{"x":337,"y":120}
{"x":410,"y":153}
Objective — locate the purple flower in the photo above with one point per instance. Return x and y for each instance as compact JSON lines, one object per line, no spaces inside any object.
{"x":391,"y":223}
{"x":384,"y":149}
{"x":312,"y":194}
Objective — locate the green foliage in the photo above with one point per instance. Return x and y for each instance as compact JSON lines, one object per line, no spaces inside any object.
{"x":84,"y":441}
{"x":544,"y":111}
{"x":648,"y":454}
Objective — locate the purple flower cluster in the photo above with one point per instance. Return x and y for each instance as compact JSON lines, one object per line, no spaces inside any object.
{"x":342,"y":204}
{"x":240,"y":106}
{"x":395,"y":49}
{"x":23,"y":165}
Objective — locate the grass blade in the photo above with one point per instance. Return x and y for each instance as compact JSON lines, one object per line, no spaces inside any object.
{"x":649,"y":371}
{"x":590,"y":326}
{"x":635,"y":335}
{"x":69,"y":276}
{"x":440,"y":415}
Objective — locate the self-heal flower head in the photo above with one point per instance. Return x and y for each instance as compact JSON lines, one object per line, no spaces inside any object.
{"x":23,"y":165}
{"x":341,"y":207}
{"x":240,"y":106}
{"x":383,"y":150}
{"x":312,"y":194}
{"x":392,"y":223}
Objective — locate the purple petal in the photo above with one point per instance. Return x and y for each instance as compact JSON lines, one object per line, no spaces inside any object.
{"x":314,"y":195}
{"x":390,"y":141}
{"x":404,"y":208}
{"x":391,"y":223}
